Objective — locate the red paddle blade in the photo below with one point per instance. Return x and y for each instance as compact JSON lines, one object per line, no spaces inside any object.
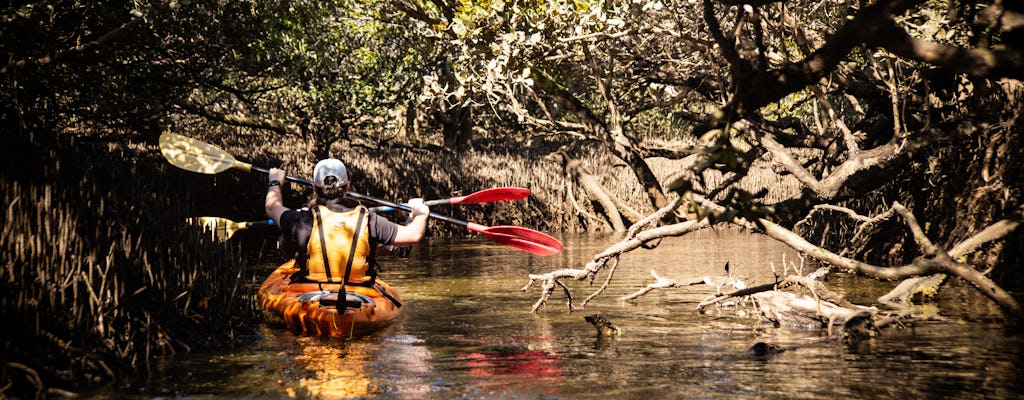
{"x":527,"y":240}
{"x":489,"y":195}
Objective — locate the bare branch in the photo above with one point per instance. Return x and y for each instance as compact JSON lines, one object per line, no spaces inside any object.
{"x":770,"y":86}
{"x":663,"y":283}
{"x":991,"y":63}
{"x":940,"y":264}
{"x":747,"y":291}
{"x":852,"y":214}
{"x":726,"y":46}
{"x":993,"y":232}
{"x":920,"y":266}
{"x":653,"y":218}
{"x":607,"y":281}
{"x":610,"y":254}
{"x":829,"y":187}
{"x":853,"y":150}
{"x":575,"y":169}
{"x":915,"y":228}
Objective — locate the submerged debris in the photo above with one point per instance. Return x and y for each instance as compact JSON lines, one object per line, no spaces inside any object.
{"x":605,"y":328}
{"x":764,"y":349}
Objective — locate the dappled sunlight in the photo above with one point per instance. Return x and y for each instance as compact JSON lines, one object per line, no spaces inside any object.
{"x":863,"y":154}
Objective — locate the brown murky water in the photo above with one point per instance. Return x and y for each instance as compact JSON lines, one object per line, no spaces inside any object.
{"x":467,"y":333}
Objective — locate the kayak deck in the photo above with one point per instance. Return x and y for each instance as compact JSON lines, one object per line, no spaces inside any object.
{"x":315,"y":309}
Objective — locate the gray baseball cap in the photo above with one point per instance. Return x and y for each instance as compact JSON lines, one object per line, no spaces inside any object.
{"x":330,"y":167}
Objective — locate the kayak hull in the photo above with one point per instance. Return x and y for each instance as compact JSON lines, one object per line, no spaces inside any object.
{"x":314,"y":309}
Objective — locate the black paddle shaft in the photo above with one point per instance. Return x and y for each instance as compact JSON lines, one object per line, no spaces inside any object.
{"x":372,"y":199}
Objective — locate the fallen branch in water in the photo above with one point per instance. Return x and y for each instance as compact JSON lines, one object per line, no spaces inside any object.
{"x":935,"y":260}
{"x":924,"y":284}
{"x":822,"y":309}
{"x":924,"y":287}
{"x":611,"y":256}
{"x":663,"y":283}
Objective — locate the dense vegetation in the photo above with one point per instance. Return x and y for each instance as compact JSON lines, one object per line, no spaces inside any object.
{"x":692,"y":112}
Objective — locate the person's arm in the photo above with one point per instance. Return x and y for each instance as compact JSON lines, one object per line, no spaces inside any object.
{"x":274,"y":203}
{"x":411,"y":233}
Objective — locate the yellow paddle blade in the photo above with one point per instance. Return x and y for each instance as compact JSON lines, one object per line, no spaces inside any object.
{"x":221,"y":229}
{"x":192,"y":155}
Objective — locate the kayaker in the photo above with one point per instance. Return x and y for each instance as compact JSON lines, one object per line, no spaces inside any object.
{"x":349,"y":232}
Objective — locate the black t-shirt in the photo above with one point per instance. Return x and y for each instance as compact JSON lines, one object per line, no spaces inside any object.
{"x":297,"y":225}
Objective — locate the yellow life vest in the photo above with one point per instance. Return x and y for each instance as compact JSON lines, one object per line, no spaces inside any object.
{"x":340,"y":244}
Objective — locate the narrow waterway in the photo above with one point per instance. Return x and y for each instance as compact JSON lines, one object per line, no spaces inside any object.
{"x":467,"y":333}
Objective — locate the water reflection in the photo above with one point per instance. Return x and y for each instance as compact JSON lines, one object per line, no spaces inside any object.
{"x":501,"y":364}
{"x":468,"y":333}
{"x":334,"y":370}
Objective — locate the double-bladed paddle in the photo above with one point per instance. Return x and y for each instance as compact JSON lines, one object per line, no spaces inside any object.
{"x":223,"y":228}
{"x":196,"y":156}
{"x":483,"y":196}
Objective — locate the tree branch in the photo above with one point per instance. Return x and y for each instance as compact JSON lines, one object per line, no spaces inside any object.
{"x":991,"y":63}
{"x":663,"y":283}
{"x":920,"y":266}
{"x":772,"y":85}
{"x":78,"y":50}
{"x":608,"y":255}
{"x":241,"y":120}
{"x":935,"y":261}
{"x":993,"y":232}
{"x":829,"y":187}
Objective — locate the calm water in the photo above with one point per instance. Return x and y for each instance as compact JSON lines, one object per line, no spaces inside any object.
{"x":467,"y":333}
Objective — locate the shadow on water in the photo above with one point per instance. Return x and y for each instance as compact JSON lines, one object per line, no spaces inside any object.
{"x":468,"y":333}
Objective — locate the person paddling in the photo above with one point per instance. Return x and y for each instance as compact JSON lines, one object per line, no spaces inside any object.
{"x":334,"y":239}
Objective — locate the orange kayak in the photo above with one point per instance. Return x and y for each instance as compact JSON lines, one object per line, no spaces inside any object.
{"x":315,"y":309}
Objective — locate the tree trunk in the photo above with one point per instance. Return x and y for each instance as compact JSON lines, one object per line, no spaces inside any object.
{"x":625,"y":150}
{"x":412,"y":130}
{"x":457,"y":126}
{"x":620,"y":144}
{"x":594,"y":190}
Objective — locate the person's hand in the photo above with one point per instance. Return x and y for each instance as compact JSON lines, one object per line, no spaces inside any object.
{"x":417,"y":208}
{"x":276,"y":174}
